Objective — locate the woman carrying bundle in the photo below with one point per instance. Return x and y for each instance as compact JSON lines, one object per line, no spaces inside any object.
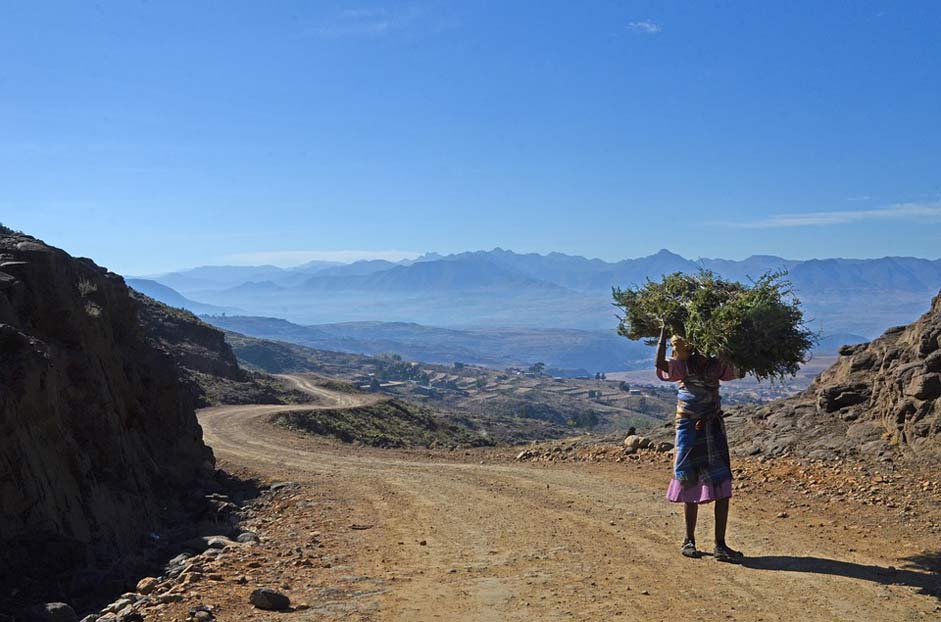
{"x":701,"y":469}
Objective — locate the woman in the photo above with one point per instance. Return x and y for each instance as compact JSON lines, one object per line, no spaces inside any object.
{"x":701,"y":470}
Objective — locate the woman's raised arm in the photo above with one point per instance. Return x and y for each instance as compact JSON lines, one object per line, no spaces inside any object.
{"x":661,"y":361}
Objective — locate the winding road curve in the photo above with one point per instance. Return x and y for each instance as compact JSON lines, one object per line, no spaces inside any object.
{"x":508,"y":541}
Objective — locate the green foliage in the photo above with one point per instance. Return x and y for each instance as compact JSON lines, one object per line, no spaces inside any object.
{"x":4,"y":230}
{"x":759,"y":328}
{"x":537,"y":368}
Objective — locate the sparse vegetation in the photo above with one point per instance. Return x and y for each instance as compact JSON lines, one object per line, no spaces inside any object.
{"x":339,"y":386}
{"x":93,"y":310}
{"x":391,"y":423}
{"x":86,"y":287}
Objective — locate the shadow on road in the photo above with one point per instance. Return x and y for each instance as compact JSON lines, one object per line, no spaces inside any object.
{"x":921,"y":571}
{"x":926,"y":560}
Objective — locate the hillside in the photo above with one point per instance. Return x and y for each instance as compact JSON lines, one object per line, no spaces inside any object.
{"x":100,"y":443}
{"x":207,"y":365}
{"x":512,"y":405}
{"x":173,"y":298}
{"x":881,"y":399}
{"x":386,"y":424}
{"x":567,"y":352}
{"x":219,"y":277}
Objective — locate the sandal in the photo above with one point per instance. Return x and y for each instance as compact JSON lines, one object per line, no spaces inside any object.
{"x":725,"y":554}
{"x":689,"y":549}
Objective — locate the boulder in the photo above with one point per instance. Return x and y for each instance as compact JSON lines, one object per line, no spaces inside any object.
{"x":146,"y":585}
{"x":118,"y":605}
{"x":637,"y":442}
{"x":203,"y":543}
{"x":269,"y":600}
{"x":834,"y":398}
{"x":52,"y":612}
{"x":219,"y":542}
{"x":201,"y":614}
{"x":282,"y":485}
{"x":865,"y":360}
{"x":129,"y":614}
{"x":851,"y":349}
{"x":925,"y":386}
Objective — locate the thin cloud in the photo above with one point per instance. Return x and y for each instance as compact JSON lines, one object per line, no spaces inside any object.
{"x":293,"y":258}
{"x":369,"y":22}
{"x":919,"y":212}
{"x":645,"y":27}
{"x":862,"y":197}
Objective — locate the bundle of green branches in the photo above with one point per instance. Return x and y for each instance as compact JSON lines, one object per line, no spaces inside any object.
{"x":759,"y":328}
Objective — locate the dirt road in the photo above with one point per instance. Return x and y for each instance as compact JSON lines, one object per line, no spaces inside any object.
{"x":434,"y":537}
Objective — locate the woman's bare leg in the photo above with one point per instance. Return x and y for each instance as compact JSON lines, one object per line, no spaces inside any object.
{"x":691,"y":512}
{"x":722,"y":519}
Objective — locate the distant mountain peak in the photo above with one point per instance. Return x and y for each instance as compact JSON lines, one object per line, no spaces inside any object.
{"x":765,"y":258}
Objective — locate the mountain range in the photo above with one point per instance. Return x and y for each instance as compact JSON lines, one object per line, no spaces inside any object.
{"x":501,"y":288}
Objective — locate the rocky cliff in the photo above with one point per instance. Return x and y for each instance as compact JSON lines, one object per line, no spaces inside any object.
{"x":206,"y":362}
{"x":881,"y":398}
{"x":99,"y":442}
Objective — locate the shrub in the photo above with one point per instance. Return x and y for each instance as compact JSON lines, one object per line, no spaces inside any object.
{"x":86,"y":287}
{"x":759,"y":328}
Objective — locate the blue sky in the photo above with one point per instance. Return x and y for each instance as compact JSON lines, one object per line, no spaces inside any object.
{"x":158,"y":135}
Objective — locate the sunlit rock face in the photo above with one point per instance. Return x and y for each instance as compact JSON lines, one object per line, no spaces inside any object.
{"x":881,"y":398}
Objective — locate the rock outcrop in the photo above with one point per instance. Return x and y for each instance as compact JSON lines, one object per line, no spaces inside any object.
{"x":207,"y":364}
{"x":880,"y":398}
{"x":99,"y":443}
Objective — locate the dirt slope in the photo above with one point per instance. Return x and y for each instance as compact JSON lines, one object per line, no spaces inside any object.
{"x":475,"y":536}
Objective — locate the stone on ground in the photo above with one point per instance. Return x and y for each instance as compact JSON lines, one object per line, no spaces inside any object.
{"x":146,"y":585}
{"x":637,"y":442}
{"x":271,"y":600}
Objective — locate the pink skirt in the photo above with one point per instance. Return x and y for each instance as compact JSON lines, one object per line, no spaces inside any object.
{"x":700,"y":492}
